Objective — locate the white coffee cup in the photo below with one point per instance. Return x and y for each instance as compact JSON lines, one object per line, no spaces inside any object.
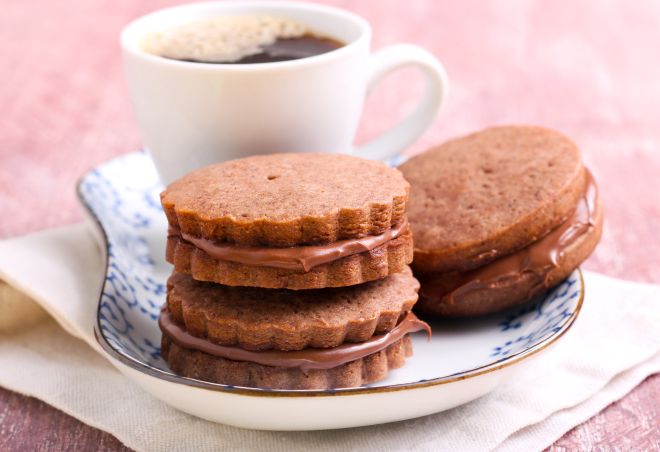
{"x":193,"y":114}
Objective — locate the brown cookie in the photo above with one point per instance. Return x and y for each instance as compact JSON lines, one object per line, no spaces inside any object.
{"x":488,"y":194}
{"x":203,"y":366}
{"x":389,"y":258}
{"x":262,"y":319}
{"x":517,"y":277}
{"x":285,"y":200}
{"x":268,"y":220}
{"x":348,"y":364}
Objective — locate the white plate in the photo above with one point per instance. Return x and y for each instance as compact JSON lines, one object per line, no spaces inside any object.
{"x":464,"y":359}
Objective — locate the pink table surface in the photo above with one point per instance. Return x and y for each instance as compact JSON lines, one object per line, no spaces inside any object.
{"x":589,"y":69}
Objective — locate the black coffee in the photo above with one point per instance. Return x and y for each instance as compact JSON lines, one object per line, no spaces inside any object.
{"x":238,"y":40}
{"x":291,"y":49}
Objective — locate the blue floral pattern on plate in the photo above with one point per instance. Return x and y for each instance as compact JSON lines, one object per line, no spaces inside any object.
{"x":123,"y":197}
{"x":548,"y":313}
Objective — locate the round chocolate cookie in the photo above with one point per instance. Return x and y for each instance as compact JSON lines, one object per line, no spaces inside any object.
{"x":489,"y":194}
{"x":346,"y":365}
{"x":262,"y":319}
{"x":517,"y":277}
{"x":295,"y":221}
{"x":204,"y":366}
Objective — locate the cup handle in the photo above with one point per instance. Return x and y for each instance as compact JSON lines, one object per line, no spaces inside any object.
{"x":389,"y":59}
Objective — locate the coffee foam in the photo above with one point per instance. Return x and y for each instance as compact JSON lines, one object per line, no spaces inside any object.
{"x":221,"y":39}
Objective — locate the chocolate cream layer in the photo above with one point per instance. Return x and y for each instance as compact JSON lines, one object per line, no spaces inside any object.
{"x":302,"y":258}
{"x":539,"y":258}
{"x":306,"y":359}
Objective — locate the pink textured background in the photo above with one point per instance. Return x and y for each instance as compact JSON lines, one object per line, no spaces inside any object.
{"x":589,"y":69}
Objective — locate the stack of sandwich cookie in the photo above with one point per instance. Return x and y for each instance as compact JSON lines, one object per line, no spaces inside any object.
{"x":290,"y":272}
{"x":499,"y":216}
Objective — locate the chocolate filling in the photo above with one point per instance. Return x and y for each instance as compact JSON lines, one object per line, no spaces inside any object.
{"x":306,"y":359}
{"x":302,"y":258}
{"x":539,"y":258}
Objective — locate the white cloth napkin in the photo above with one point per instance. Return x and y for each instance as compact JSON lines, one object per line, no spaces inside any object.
{"x":612,"y":347}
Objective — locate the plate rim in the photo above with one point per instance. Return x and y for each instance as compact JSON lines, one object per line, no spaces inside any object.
{"x":154,"y":372}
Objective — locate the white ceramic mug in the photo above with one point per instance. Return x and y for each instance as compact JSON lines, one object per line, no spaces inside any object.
{"x":193,"y":114}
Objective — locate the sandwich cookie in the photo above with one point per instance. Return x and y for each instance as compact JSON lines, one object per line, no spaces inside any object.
{"x":316,"y":339}
{"x":499,"y":216}
{"x":294,"y":221}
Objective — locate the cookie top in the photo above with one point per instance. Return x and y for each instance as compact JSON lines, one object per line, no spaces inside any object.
{"x":286,"y":200}
{"x":490,"y":193}
{"x":261,"y":319}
